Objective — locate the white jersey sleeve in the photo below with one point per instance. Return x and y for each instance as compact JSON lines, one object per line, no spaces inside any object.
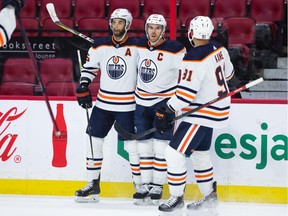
{"x":203,"y":78}
{"x":7,"y":24}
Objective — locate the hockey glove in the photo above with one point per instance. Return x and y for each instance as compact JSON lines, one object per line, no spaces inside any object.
{"x":84,"y":97}
{"x":163,"y":119}
{"x":17,"y":4}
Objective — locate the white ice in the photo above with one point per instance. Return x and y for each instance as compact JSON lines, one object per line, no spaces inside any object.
{"x":19,"y":205}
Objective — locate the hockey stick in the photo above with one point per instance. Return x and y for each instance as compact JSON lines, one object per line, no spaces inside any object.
{"x":87,"y":112}
{"x":30,"y":52}
{"x":51,"y":10}
{"x":131,"y":136}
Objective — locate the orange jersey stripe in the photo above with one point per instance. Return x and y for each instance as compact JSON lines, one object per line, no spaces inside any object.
{"x":176,"y":179}
{"x":208,"y":56}
{"x":179,"y":92}
{"x":160,"y":164}
{"x":146,"y":163}
{"x":164,"y":51}
{"x":228,"y":78}
{"x":207,"y":112}
{"x":94,"y":48}
{"x":186,"y":141}
{"x":115,"y":98}
{"x":1,"y":40}
{"x":156,"y":94}
{"x":95,"y":164}
{"x":123,"y":41}
{"x":204,"y":176}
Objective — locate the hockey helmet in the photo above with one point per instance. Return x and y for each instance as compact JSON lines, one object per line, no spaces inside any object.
{"x":156,"y":19}
{"x":202,"y":28}
{"x":121,"y":13}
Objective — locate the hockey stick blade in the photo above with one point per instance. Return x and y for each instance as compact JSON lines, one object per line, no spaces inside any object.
{"x":131,"y":136}
{"x":51,"y":10}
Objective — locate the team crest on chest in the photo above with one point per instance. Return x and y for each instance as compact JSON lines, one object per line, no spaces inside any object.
{"x":116,"y":67}
{"x":147,"y":70}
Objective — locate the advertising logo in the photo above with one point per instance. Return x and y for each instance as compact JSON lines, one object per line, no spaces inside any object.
{"x":251,"y":146}
{"x":7,"y":140}
{"x":42,"y":48}
{"x":59,"y":142}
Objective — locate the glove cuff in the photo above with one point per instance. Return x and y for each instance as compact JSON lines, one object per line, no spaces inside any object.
{"x":82,"y":91}
{"x":169,"y":108}
{"x":84,"y":81}
{"x":84,"y":85}
{"x":83,"y":94}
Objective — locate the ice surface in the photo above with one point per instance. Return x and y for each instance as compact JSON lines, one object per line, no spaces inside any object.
{"x":19,"y":205}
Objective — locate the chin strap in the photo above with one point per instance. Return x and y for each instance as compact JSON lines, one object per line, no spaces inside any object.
{"x":160,"y":37}
{"x":191,"y":39}
{"x":121,"y":39}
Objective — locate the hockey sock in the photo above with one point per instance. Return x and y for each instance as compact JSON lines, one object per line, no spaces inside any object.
{"x":134,"y":160}
{"x":94,"y":164}
{"x":159,"y":164}
{"x":145,"y":148}
{"x":203,"y":171}
{"x":176,"y":171}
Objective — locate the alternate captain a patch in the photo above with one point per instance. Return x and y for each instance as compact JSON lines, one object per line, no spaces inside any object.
{"x":116,"y":67}
{"x":148,"y":70}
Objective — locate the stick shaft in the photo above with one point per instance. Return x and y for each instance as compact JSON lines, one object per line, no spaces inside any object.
{"x":131,"y":136}
{"x":231,"y":93}
{"x":30,"y":52}
{"x":87,"y":112}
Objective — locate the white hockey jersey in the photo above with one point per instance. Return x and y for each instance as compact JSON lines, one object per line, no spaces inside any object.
{"x":158,"y":70}
{"x":204,"y":72}
{"x":118,"y":65}
{"x":7,"y":24}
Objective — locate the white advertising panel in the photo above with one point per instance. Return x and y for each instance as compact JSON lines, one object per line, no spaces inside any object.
{"x":252,"y":150}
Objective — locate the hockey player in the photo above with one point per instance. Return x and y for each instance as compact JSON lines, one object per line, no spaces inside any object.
{"x":8,"y":18}
{"x":205,"y":70}
{"x":158,"y":69}
{"x":116,"y":57}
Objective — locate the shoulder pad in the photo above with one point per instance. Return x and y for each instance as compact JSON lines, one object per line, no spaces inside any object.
{"x":102,"y":41}
{"x":171,"y":46}
{"x":200,"y":52}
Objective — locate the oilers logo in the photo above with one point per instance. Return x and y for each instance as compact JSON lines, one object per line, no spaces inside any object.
{"x":116,"y":67}
{"x":147,"y":70}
